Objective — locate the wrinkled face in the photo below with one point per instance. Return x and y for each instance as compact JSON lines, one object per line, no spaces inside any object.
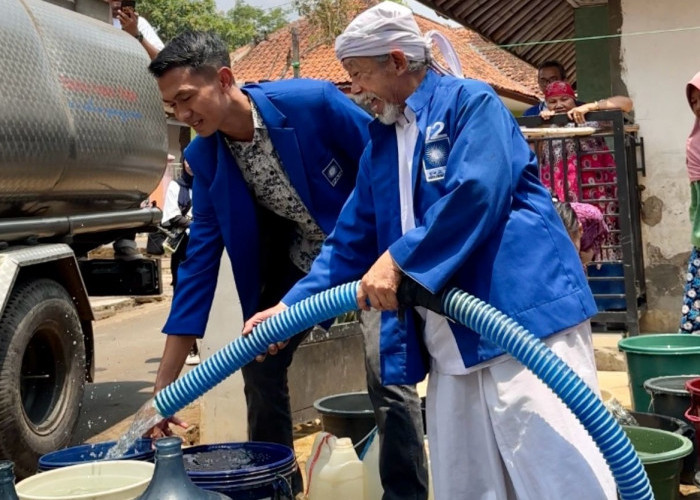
{"x":695,"y":101}
{"x":547,"y":75}
{"x":560,"y":103}
{"x":197,"y":99}
{"x":373,"y":87}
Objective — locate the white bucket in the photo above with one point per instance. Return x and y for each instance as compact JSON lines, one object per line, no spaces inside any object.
{"x":108,"y":480}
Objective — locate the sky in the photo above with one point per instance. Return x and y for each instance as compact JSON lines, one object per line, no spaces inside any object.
{"x":287,"y":4}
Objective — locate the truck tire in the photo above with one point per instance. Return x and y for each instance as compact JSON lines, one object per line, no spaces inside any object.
{"x":42,"y":373}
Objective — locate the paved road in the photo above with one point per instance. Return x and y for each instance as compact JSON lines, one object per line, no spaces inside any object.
{"x":128,"y":347}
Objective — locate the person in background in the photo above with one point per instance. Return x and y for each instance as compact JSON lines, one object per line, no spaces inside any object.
{"x":690,"y":311}
{"x":126,"y":18}
{"x":585,"y":226}
{"x":273,"y":165}
{"x":581,"y":169}
{"x":177,"y":217}
{"x":448,"y":195}
{"x":547,"y":72}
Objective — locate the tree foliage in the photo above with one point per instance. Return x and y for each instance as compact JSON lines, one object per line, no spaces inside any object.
{"x":330,"y":17}
{"x":240,"y":25}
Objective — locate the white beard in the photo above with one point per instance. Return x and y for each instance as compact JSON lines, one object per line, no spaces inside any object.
{"x":389,"y":115}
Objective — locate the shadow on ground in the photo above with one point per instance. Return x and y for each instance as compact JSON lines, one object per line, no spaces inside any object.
{"x":107,"y":403}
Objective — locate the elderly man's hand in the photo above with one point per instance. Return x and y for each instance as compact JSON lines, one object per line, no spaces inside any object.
{"x":129,"y":21}
{"x":379,"y":285}
{"x":259,"y":318}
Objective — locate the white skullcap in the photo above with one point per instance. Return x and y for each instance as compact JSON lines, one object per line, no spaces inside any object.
{"x":379,"y":30}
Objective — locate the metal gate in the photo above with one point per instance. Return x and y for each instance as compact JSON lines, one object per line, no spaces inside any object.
{"x":598,"y":163}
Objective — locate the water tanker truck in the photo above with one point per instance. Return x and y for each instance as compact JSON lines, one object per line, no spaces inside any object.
{"x":82,"y":144}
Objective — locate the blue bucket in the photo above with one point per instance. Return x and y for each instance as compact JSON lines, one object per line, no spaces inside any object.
{"x":243,"y":471}
{"x":142,"y":451}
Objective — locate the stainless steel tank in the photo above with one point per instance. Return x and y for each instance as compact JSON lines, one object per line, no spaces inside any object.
{"x":82,"y":126}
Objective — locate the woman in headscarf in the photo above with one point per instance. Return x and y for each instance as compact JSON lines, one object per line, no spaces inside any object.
{"x":582,"y":169}
{"x":585,"y":226}
{"x":690,"y":312}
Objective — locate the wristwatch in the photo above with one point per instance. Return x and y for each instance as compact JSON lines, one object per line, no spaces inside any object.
{"x":139,"y":36}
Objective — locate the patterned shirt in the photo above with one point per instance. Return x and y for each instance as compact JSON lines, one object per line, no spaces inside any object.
{"x":262,"y":170}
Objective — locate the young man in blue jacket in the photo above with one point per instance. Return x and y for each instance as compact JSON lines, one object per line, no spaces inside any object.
{"x":448,"y":195}
{"x":273,"y":165}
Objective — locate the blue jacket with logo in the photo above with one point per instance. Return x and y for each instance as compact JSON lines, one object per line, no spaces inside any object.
{"x":484,"y":223}
{"x":319,"y":135}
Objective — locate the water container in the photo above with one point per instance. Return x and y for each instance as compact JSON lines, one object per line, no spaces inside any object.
{"x":7,"y":480}
{"x":142,"y":450}
{"x":676,"y":426}
{"x":341,"y":478}
{"x":107,"y":480}
{"x":370,"y":467}
{"x":243,"y":471}
{"x":170,"y":480}
{"x":669,"y":395}
{"x":320,"y":454}
{"x":662,"y":454}
{"x":650,"y":356}
{"x":347,"y":415}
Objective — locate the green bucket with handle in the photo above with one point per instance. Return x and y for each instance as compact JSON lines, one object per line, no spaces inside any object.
{"x":651,"y":356}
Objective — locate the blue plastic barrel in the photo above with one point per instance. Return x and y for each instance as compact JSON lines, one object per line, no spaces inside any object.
{"x":243,"y":471}
{"x":142,"y":450}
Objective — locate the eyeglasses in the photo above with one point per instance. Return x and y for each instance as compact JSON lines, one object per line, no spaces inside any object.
{"x":546,"y":81}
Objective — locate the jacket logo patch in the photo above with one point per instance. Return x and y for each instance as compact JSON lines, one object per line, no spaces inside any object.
{"x":437,"y":150}
{"x":333,"y":172}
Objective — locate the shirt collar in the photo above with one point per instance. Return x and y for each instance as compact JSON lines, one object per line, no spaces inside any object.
{"x":407,"y":118}
{"x":425,"y":91}
{"x":258,"y":122}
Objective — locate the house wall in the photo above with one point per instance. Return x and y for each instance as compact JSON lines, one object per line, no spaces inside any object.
{"x":655,"y":68}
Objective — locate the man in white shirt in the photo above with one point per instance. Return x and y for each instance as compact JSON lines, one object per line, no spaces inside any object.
{"x":125,"y":17}
{"x":137,"y":26}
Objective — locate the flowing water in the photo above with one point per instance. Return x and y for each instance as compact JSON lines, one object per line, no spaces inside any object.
{"x":622,"y":416}
{"x":145,"y":418}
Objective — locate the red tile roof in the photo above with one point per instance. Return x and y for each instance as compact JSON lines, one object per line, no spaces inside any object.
{"x":271,"y":59}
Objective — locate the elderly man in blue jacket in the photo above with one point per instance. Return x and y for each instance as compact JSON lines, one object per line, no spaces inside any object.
{"x":448,"y":194}
{"x":273,"y":165}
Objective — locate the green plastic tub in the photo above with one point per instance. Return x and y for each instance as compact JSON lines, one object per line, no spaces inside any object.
{"x":650,"y":356}
{"x":661,"y":453}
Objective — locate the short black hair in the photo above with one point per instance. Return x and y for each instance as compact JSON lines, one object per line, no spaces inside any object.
{"x":568,"y":217}
{"x":200,"y":50}
{"x":553,"y":64}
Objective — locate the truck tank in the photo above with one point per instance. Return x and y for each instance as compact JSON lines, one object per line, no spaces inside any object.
{"x":77,"y":135}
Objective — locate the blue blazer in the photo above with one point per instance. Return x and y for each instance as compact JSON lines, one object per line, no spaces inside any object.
{"x":484,"y":223}
{"x":319,"y":135}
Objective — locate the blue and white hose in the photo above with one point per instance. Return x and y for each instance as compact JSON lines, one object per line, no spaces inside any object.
{"x":243,"y":350}
{"x":626,"y":467}
{"x":490,"y":323}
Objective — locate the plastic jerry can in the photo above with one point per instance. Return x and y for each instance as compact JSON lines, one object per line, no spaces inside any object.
{"x":370,"y":464}
{"x":341,"y":478}
{"x":320,"y":453}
